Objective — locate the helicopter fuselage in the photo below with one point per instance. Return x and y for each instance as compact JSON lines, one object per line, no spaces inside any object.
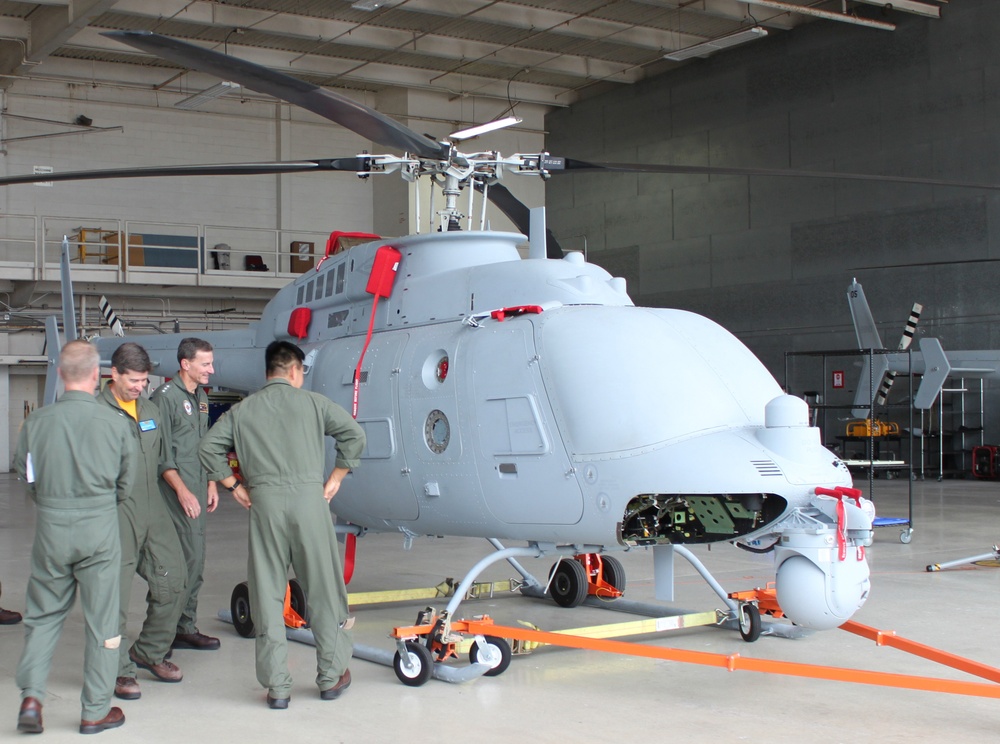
{"x":529,"y":399}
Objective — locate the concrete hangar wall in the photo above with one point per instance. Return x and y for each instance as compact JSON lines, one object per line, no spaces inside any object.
{"x":771,"y":259}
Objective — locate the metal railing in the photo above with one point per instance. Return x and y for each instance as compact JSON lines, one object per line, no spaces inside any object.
{"x":133,"y":251}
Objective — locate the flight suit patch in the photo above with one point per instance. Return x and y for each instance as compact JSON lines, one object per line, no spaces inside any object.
{"x":202,"y":407}
{"x":147,"y":425}
{"x":187,"y":407}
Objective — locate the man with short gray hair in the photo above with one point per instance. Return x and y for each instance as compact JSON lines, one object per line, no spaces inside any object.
{"x":79,"y":462}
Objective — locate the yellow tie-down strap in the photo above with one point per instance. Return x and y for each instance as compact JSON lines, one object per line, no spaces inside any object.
{"x":479,"y":590}
{"x":615,"y":630}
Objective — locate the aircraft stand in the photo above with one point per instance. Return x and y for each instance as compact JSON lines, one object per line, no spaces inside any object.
{"x":995,"y":555}
{"x":436,"y":637}
{"x":485,"y":630}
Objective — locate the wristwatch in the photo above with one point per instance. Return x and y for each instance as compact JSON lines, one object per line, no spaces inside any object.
{"x":232,"y":488}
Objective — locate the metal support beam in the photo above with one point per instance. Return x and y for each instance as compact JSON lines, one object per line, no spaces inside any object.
{"x":907,"y":6}
{"x":50,"y":27}
{"x":828,"y":15}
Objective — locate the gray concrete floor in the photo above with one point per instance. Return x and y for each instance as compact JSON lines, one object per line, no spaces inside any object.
{"x":561,"y":694}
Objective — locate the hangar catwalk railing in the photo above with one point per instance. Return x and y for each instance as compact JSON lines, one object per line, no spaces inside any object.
{"x":139,"y":252}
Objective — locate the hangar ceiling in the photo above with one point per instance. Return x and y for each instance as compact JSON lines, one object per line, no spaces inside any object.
{"x":551,"y":52}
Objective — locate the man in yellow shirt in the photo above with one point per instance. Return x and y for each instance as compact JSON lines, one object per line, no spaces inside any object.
{"x":150,"y":546}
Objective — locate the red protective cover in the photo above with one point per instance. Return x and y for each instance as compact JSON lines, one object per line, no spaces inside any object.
{"x":298,"y":322}
{"x":384,"y":271}
{"x":336,"y":235}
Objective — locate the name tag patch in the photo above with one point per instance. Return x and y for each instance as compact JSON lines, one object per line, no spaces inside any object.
{"x":202,"y":407}
{"x":147,"y":425}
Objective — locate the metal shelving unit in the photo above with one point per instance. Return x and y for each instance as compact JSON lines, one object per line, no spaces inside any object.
{"x":870,"y":463}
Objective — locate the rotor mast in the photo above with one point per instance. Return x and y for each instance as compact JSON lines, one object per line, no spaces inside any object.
{"x":456,"y":172}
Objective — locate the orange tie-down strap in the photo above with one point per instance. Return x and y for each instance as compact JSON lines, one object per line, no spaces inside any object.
{"x":733,"y":662}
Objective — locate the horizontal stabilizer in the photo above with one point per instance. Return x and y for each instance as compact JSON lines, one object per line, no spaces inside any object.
{"x":936,"y":371}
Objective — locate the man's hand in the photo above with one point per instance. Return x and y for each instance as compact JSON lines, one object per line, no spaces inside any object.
{"x":187,"y":500}
{"x":332,"y":484}
{"x":242,"y":496}
{"x":189,"y":503}
{"x":213,"y":496}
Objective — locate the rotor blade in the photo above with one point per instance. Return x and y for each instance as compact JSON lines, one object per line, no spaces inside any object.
{"x":355,"y":116}
{"x":712,"y":170}
{"x":220,"y":169}
{"x":515,"y":210}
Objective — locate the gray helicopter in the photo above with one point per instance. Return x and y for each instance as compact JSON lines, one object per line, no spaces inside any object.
{"x":528,"y":399}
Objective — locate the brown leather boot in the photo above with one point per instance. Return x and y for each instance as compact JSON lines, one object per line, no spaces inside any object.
{"x":127,"y":688}
{"x":113,"y":719}
{"x":29,"y":718}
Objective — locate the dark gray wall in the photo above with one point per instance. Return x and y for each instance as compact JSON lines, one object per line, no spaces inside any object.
{"x":771,"y":258}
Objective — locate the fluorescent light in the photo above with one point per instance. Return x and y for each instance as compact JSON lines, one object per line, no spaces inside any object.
{"x":489,"y":126}
{"x":712,"y":46}
{"x":209,"y":94}
{"x":368,"y":4}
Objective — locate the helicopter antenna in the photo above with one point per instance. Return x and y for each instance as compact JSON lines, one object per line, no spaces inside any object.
{"x":416,"y":205}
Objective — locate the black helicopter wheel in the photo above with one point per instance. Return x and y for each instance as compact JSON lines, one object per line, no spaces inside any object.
{"x":749,"y":622}
{"x":613,"y":572}
{"x":496,"y":654}
{"x":239,"y":606}
{"x":421,"y":665}
{"x":568,"y":583}
{"x":298,"y":599}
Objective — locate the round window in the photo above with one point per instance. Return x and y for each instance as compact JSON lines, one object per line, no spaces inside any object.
{"x":437,"y":431}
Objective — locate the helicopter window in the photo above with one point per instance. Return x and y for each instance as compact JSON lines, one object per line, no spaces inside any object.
{"x":335,"y":320}
{"x":329,"y":283}
{"x":379,"y":440}
{"x":298,"y":300}
{"x":437,"y":431}
{"x":340,"y":277}
{"x":309,"y":292}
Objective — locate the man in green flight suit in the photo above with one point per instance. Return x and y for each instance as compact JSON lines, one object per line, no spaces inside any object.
{"x":185,"y":486}
{"x":279,"y":437}
{"x":79,"y":461}
{"x":149,"y":543}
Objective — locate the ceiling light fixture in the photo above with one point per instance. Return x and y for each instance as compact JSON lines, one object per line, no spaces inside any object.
{"x":706,"y":48}
{"x":209,"y":94}
{"x":489,"y":126}
{"x":368,"y":4}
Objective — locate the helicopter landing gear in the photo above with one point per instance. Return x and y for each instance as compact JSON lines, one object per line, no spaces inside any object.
{"x":750,"y":624}
{"x":413,"y":664}
{"x":568,"y":583}
{"x":572,"y":580}
{"x":492,"y":650}
{"x":296,"y":611}
{"x":434,"y":638}
{"x":239,"y":605}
